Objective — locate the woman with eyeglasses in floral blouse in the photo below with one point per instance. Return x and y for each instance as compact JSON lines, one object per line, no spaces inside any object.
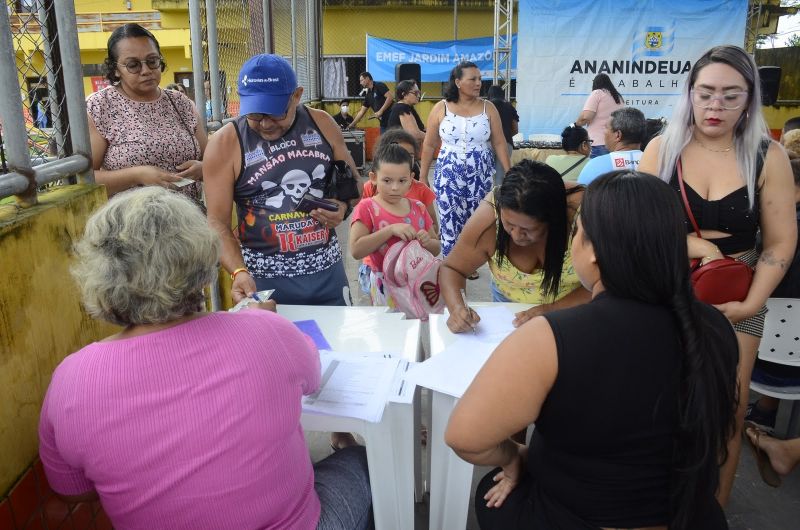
{"x":142,"y":135}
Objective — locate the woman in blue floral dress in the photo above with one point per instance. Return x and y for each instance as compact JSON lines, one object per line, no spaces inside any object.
{"x":470,"y":133}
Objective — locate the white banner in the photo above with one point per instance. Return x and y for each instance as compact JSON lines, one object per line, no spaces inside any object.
{"x":646,"y":47}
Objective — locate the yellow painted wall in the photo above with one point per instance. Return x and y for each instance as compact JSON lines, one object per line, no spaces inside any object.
{"x":777,"y":115}
{"x":344,"y":30}
{"x":104,"y":6}
{"x":41,"y":320}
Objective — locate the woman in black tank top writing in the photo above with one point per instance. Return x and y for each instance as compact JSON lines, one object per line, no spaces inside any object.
{"x":633,"y":394}
{"x":737,"y":182}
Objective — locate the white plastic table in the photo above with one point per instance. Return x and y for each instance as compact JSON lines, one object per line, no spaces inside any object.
{"x":451,"y":477}
{"x":392,"y":454}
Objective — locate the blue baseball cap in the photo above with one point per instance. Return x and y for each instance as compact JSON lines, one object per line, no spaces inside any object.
{"x":266,"y":83}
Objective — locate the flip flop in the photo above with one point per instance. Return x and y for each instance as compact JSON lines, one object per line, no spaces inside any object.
{"x":473,"y":276}
{"x":765,"y":469}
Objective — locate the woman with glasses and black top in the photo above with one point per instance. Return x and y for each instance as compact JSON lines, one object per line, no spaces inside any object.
{"x":577,"y":146}
{"x":737,"y":182}
{"x":142,"y":135}
{"x":403,"y":113}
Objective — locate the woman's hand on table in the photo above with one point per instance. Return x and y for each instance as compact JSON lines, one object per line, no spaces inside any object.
{"x":153,"y":176}
{"x":737,"y":311}
{"x":191,"y":169}
{"x":462,"y":319}
{"x":505,"y":482}
{"x":523,"y":316}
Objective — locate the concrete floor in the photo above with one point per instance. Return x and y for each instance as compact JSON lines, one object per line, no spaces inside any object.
{"x":753,"y":504}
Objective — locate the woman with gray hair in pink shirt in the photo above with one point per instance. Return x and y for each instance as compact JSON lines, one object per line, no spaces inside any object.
{"x":187,"y":419}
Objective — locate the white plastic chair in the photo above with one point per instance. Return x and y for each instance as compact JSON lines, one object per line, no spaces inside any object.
{"x":781,"y":344}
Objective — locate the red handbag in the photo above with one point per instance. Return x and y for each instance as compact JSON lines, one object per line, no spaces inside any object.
{"x":721,"y":280}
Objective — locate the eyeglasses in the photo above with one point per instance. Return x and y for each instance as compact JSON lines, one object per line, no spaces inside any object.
{"x":258,"y":117}
{"x":728,"y":101}
{"x":134,"y":66}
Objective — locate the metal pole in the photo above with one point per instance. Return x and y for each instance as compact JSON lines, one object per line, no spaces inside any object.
{"x":213,"y":60}
{"x":455,"y":20}
{"x":52,"y":91}
{"x":14,"y":183}
{"x":72,"y":73}
{"x":293,"y":12}
{"x":312,"y":52}
{"x":196,"y":32}
{"x":510,"y":44}
{"x":15,"y":136}
{"x":266,"y":19}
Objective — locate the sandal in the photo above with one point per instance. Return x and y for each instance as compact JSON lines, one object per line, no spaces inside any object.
{"x":473,"y":276}
{"x":765,"y":469}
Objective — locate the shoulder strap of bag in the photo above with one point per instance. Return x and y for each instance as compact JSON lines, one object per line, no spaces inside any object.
{"x":686,"y":200}
{"x":185,"y":127}
{"x":573,"y":166}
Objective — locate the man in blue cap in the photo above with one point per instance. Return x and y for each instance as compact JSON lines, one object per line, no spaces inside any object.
{"x":274,"y":155}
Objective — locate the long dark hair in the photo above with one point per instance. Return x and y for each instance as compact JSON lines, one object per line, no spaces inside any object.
{"x":536,"y":190}
{"x":603,"y":82}
{"x":451,"y":92}
{"x":646,"y":260}
{"x":125,"y":32}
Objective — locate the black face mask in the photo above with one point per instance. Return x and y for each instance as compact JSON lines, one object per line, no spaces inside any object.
{"x":415,"y":170}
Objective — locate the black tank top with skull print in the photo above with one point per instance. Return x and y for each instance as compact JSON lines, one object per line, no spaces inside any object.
{"x":278,"y":241}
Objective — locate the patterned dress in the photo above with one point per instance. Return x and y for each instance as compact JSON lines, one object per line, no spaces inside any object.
{"x":463,"y":174}
{"x":156,"y":133}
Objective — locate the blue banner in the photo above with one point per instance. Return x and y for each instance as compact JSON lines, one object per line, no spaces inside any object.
{"x":436,"y":59}
{"x":646,"y":47}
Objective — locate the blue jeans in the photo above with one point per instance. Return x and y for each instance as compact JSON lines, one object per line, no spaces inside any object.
{"x":497,"y":296}
{"x":598,"y":150}
{"x":342,"y":485}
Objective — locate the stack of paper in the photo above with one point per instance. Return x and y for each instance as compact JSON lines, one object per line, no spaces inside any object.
{"x":353,"y":386}
{"x":452,"y":370}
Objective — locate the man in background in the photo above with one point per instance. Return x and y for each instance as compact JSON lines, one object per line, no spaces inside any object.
{"x":343,"y":119}
{"x":510,"y":120}
{"x":624,"y":134}
{"x":376,"y":97}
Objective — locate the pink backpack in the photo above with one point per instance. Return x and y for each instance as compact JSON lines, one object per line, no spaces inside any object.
{"x":411,"y":275}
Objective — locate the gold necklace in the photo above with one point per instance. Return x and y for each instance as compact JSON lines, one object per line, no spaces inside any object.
{"x":707,"y":148}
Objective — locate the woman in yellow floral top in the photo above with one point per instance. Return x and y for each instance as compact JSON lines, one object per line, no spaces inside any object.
{"x":522,"y":229}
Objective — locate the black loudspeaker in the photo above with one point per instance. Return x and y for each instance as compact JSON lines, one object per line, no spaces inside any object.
{"x":354,"y":140}
{"x":770,"y":83}
{"x":403,"y":71}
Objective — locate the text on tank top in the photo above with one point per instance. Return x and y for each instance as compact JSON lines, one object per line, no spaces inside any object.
{"x":277,"y":240}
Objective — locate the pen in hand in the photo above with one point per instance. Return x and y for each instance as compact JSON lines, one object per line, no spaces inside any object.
{"x":469,"y":311}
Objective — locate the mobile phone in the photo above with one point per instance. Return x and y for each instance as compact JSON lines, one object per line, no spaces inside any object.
{"x":183,"y":182}
{"x":309,"y":202}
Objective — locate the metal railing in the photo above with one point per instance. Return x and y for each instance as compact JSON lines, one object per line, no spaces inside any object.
{"x":226,"y":34}
{"x":43,"y":139}
{"x":90,"y":22}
